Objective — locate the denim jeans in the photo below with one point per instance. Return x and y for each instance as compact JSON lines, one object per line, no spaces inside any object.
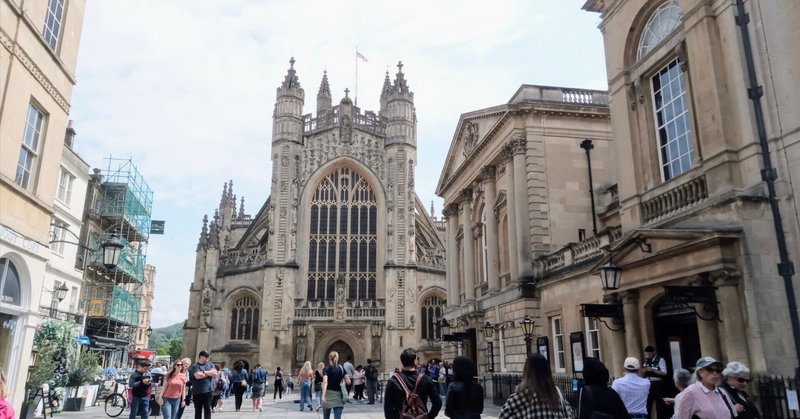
{"x":305,"y":394}
{"x":442,"y":389}
{"x":337,"y":413}
{"x":319,"y":397}
{"x":140,"y":405}
{"x":170,"y":408}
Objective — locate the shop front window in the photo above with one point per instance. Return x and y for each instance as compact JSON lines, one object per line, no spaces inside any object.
{"x":9,"y":283}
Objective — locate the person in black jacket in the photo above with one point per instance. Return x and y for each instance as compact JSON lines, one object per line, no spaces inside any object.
{"x":395,"y":395}
{"x":596,"y":395}
{"x":465,"y":395}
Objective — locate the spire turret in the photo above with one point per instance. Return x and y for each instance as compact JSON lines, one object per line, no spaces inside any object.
{"x":385,"y":91}
{"x":213,"y":234}
{"x":324,"y":95}
{"x":203,"y":242}
{"x":291,"y":80}
{"x":241,"y":210}
{"x":287,"y":118}
{"x":402,"y":126}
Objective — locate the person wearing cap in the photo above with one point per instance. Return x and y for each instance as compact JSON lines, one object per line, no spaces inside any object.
{"x":703,"y":399}
{"x":139,"y":382}
{"x":202,"y":372}
{"x":632,"y":389}
{"x":654,"y":368}
{"x":737,"y":375}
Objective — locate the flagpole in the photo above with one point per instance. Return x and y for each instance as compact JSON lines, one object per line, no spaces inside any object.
{"x":356,"y":92}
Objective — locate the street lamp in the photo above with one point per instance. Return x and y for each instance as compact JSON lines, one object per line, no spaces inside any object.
{"x":527,"y":329}
{"x":112,"y":247}
{"x":611,"y":275}
{"x":58,"y":296}
{"x":149,"y":331}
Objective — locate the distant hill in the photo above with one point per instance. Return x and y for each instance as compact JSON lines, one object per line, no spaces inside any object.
{"x":164,"y":335}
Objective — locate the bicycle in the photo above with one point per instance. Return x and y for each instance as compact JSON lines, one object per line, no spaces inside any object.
{"x":116,"y":402}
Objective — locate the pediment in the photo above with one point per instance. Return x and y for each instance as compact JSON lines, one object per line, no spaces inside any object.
{"x":473,"y":131}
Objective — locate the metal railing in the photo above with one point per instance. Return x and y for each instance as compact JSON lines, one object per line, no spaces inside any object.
{"x":773,"y":396}
{"x":504,"y":385}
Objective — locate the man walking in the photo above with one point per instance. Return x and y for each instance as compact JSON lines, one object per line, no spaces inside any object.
{"x":371,"y":374}
{"x":633,"y":389}
{"x":395,"y":394}
{"x":202,"y":372}
{"x":350,"y":370}
{"x":139,"y":382}
{"x":655,"y":370}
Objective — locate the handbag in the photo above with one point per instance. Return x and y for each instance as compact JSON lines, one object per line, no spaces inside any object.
{"x":342,"y":385}
{"x":595,"y":414}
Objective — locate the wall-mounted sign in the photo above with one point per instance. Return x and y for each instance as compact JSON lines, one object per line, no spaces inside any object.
{"x":543,"y":346}
{"x":576,"y":342}
{"x":157,"y":227}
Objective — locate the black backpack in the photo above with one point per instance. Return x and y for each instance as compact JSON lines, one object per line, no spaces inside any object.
{"x":372,"y":372}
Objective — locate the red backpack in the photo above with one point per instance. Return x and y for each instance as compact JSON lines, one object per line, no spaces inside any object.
{"x":413,"y":408}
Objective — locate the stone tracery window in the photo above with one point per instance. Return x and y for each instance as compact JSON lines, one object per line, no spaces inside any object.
{"x":662,"y":22}
{"x":430,"y":311}
{"x":244,"y":318}
{"x":343,"y":237}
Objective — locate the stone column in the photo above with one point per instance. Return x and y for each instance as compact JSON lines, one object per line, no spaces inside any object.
{"x":730,"y":311}
{"x":519,"y":149}
{"x":707,"y":329}
{"x":453,"y":292}
{"x":469,"y":245}
{"x":490,"y":189}
{"x":633,"y":334}
{"x":513,"y":264}
{"x":616,"y":340}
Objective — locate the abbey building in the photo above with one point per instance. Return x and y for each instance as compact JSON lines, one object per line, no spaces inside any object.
{"x":341,"y":256}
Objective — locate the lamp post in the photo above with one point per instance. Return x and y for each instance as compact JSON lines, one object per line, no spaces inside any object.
{"x":488,"y":330}
{"x":58,"y":296}
{"x":527,"y":329}
{"x":610,"y":274}
{"x":112,"y":249}
{"x":588,"y":146}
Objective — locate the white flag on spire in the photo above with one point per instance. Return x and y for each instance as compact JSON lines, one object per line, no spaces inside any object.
{"x":361,"y":56}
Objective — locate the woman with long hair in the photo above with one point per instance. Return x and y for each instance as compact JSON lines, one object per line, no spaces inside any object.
{"x":238,"y":383}
{"x":187,"y":363}
{"x":171,"y":397}
{"x":537,"y":395}
{"x":465,"y":395}
{"x":359,"y":382}
{"x":332,"y":378}
{"x":304,"y":379}
{"x":6,"y":410}
{"x":318,"y":383}
{"x":278,"y":384}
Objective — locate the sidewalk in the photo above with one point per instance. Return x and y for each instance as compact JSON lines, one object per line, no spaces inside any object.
{"x":282,"y":409}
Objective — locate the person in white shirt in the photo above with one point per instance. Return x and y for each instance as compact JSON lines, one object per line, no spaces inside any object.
{"x":632,"y":389}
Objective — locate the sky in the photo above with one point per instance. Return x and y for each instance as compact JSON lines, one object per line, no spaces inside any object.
{"x":186,"y":89}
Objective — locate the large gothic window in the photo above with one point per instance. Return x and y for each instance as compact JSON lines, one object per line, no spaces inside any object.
{"x":244,"y":318}
{"x":431,"y":311}
{"x":343,"y":237}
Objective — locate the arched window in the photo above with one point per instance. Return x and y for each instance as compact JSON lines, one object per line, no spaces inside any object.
{"x":10,"y":291}
{"x":244,"y":318}
{"x":662,"y":22}
{"x":343,"y":237}
{"x":431,"y":311}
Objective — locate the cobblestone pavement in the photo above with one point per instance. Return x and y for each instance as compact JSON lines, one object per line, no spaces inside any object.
{"x":286,"y":408}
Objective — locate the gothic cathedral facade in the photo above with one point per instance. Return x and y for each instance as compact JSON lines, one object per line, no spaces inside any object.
{"x":341,"y":256}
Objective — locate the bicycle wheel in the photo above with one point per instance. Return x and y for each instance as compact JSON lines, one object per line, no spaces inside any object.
{"x":115,"y":404}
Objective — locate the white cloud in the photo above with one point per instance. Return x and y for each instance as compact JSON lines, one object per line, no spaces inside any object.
{"x":186,"y":88}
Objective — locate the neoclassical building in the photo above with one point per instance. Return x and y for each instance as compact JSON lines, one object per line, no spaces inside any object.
{"x":341,"y":256}
{"x":516,"y":187}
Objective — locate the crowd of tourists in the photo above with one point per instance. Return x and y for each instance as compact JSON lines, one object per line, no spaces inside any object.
{"x":644,"y":390}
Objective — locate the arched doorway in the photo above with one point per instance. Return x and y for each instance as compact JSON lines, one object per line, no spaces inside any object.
{"x":677,"y":338}
{"x":342,"y":348}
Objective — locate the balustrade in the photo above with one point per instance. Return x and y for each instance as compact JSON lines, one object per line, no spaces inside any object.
{"x":679,"y":198}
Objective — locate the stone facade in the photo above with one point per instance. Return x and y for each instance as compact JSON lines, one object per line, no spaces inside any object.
{"x":341,"y":256}
{"x":38,"y":54}
{"x":516,"y":187}
{"x":146,"y":292}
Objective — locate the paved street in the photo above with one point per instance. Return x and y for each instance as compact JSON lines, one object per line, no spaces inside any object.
{"x":287,"y":408}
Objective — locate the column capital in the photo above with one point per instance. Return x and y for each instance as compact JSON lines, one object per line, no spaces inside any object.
{"x":488,"y":173}
{"x":450,"y":210}
{"x":506,"y":154}
{"x":518,"y":144}
{"x":725,"y":277}
{"x":466,"y":196}
{"x":629,"y":297}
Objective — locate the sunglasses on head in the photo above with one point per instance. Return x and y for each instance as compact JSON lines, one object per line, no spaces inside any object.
{"x":743,"y":380}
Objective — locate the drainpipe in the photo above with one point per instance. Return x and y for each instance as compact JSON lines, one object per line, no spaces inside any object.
{"x":587,"y":145}
{"x":769,"y":175}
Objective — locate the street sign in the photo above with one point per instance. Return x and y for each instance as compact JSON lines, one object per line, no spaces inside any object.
{"x":157,"y":227}
{"x":688,"y":295}
{"x":602,"y":310}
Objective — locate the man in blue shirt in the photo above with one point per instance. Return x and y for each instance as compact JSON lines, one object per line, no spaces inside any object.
{"x":202,"y":373}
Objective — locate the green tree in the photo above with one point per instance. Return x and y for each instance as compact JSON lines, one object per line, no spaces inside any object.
{"x":175,"y":348}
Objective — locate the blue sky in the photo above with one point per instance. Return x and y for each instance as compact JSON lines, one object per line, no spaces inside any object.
{"x":186,"y":88}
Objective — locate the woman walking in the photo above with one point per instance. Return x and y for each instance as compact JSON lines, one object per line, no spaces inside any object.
{"x":359,"y":382}
{"x":702,"y":399}
{"x":187,"y":399}
{"x":596,"y":396}
{"x":171,"y":397}
{"x":737,"y":375}
{"x":278,"y":384}
{"x":537,"y":395}
{"x":304,"y":379}
{"x":333,"y":378}
{"x":239,"y":379}
{"x":318,"y":384}
{"x":465,"y":395}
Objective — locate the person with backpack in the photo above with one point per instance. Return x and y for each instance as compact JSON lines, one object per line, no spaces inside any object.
{"x":219,"y":384}
{"x":278,"y":384}
{"x":407,"y":392}
{"x":238,"y":384}
{"x":371,"y":374}
{"x":465,"y":396}
{"x":596,"y":399}
{"x":259,"y":379}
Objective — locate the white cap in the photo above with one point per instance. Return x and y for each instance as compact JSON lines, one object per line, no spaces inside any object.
{"x":631,"y":363}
